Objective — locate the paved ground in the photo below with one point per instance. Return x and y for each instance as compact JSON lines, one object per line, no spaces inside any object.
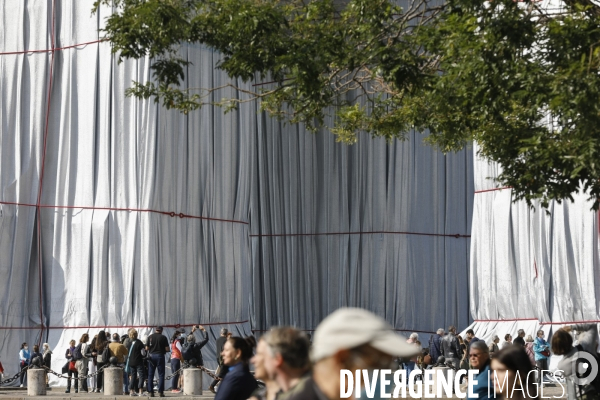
{"x":58,"y":393}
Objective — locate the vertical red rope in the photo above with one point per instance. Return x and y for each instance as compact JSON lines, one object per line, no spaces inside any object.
{"x":41,"y":184}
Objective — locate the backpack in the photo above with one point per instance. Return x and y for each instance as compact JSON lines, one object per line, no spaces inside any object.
{"x":187,"y":352}
{"x":105,"y":356}
{"x":77,"y":353}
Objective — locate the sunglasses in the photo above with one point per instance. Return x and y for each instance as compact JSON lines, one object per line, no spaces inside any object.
{"x":474,"y":355}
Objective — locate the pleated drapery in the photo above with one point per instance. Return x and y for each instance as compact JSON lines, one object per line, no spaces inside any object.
{"x":115,"y":212}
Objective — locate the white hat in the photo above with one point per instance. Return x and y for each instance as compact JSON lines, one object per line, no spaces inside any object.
{"x":347,"y":328}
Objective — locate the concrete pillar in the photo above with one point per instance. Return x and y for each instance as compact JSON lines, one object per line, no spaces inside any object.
{"x":192,"y":381}
{"x":113,"y":381}
{"x":36,"y":382}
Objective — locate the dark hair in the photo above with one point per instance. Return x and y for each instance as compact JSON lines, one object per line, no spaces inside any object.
{"x":174,"y":337}
{"x":244,"y":345}
{"x":36,"y":348}
{"x":101,"y":341}
{"x":516,"y":359}
{"x":23,"y":345}
{"x":84,"y":338}
{"x":507,"y":336}
{"x":470,"y":332}
{"x":562,"y":342}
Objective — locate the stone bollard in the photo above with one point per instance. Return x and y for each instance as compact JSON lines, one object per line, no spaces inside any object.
{"x":113,"y":381}
{"x":192,"y":381}
{"x":36,"y":382}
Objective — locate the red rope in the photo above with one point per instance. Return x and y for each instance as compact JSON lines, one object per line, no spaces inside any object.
{"x":456,"y":235}
{"x":50,"y":50}
{"x":505,"y":320}
{"x":493,"y":190}
{"x":169,"y":213}
{"x":312,"y":330}
{"x":123,"y":326}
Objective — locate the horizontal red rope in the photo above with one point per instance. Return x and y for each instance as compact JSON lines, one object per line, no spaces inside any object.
{"x":123,"y":326}
{"x":169,"y":213}
{"x":506,"y":320}
{"x":456,"y":235}
{"x":493,"y":190}
{"x":312,"y":330}
{"x":50,"y":50}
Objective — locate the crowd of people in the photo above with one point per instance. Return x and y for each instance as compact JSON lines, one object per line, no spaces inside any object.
{"x":293,"y":368}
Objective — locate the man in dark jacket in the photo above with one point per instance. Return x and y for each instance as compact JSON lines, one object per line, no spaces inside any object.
{"x":222,"y":369}
{"x":519,"y":339}
{"x":196,"y":346}
{"x":435,"y":345}
{"x":451,"y":348}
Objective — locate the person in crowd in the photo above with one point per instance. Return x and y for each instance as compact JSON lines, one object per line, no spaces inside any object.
{"x":135,"y":363}
{"x":464,"y":360}
{"x":239,"y":383}
{"x":349,"y":338}
{"x":157,"y":347}
{"x":36,"y":354}
{"x":479,"y":356}
{"x":23,"y":362}
{"x":529,"y":349}
{"x":285,"y":351}
{"x":72,"y":371}
{"x":270,"y":390}
{"x":450,"y":347}
{"x":471,"y":336}
{"x":47,"y":358}
{"x":197,"y":346}
{"x":410,"y":364}
{"x":176,"y":359}
{"x":126,"y":340}
{"x":435,"y":345}
{"x":222,"y":368}
{"x":92,"y":365}
{"x":563,"y":344}
{"x":541,"y":348}
{"x":507,"y":340}
{"x":520,"y":339}
{"x":494,"y":345}
{"x":119,"y":351}
{"x":511,"y":368}
{"x":82,"y":364}
{"x":101,"y":342}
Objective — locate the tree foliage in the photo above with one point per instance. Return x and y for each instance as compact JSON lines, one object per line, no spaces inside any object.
{"x":520,"y":79}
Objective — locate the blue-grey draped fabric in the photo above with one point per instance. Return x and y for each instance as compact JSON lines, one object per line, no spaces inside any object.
{"x":149,"y":217}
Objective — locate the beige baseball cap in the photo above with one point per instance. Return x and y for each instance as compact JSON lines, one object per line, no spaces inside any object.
{"x":347,"y":328}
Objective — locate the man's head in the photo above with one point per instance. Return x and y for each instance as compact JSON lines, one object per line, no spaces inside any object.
{"x":479,"y":354}
{"x":116,"y":338}
{"x":288,"y":352}
{"x":224,"y":332}
{"x":159,"y":329}
{"x":440,"y":331}
{"x":470,"y":334}
{"x":521,"y":333}
{"x":353,"y":338}
{"x":452,"y":329}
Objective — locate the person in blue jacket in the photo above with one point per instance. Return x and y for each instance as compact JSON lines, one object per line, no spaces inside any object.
{"x":541,"y":350}
{"x":479,"y":356}
{"x":239,"y":383}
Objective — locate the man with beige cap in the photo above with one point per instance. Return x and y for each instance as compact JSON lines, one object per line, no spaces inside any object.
{"x":349,"y":338}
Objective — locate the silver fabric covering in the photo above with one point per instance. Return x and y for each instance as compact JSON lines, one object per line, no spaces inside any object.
{"x":371,"y":225}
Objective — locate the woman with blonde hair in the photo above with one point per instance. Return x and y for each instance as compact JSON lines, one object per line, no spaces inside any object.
{"x":135,"y":364}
